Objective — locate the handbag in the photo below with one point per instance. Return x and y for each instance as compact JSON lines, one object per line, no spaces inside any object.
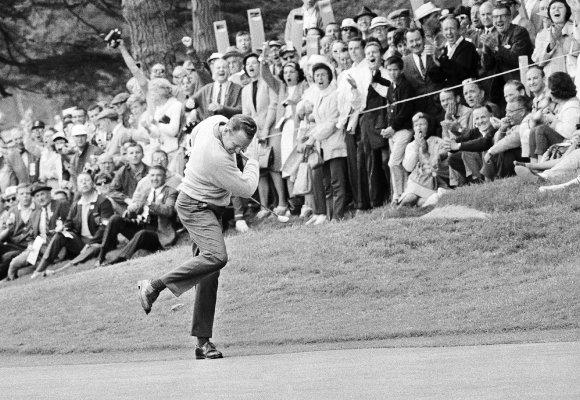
{"x":314,"y":158}
{"x":265,"y":155}
{"x":303,"y":181}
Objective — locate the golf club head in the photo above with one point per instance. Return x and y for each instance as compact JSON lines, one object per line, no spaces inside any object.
{"x":283,"y":218}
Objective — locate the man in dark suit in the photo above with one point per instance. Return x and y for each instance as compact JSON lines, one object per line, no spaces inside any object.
{"x":152,"y":229}
{"x":221,"y":97}
{"x":84,"y":225}
{"x":44,"y":220}
{"x":502,"y":48}
{"x":458,"y":60}
{"x":417,"y":70}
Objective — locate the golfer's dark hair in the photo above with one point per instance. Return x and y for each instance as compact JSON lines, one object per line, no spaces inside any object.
{"x":244,"y":123}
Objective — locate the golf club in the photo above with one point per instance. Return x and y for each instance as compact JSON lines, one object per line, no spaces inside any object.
{"x":281,"y":218}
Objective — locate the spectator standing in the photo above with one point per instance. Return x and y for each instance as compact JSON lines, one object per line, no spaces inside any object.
{"x":331,"y":142}
{"x":221,"y":97}
{"x":363,"y":20}
{"x":502,"y":48}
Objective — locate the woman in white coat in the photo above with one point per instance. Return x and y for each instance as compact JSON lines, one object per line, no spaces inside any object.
{"x":259,"y":102}
{"x":330,"y":140}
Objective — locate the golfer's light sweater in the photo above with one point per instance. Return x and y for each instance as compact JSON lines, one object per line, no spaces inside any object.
{"x":211,"y":174}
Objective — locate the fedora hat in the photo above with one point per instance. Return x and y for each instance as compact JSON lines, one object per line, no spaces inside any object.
{"x":365,"y":11}
{"x":424,"y":10}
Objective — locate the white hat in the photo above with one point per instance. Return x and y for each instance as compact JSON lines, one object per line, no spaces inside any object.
{"x":379,"y":21}
{"x":79,"y":130}
{"x":214,"y":56}
{"x":425,"y":10}
{"x":348,"y":23}
{"x":10,"y":191}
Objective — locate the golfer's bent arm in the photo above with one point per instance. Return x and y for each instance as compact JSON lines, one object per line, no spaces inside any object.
{"x":240,"y":183}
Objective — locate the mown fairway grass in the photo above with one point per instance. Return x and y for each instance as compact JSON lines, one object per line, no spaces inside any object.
{"x":373,"y":277}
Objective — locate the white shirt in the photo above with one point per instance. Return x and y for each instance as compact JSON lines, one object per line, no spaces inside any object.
{"x":86,"y":204}
{"x":216,"y":90}
{"x":45,"y":216}
{"x":418,"y":64}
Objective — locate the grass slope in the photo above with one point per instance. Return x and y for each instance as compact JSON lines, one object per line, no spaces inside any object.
{"x":370,"y":278}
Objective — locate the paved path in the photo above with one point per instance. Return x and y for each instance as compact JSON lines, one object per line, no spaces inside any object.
{"x":530,"y":371}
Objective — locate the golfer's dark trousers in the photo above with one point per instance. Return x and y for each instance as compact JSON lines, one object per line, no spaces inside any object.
{"x":203,"y":222}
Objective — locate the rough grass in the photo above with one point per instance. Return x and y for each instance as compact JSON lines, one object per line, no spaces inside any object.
{"x":383,"y":275}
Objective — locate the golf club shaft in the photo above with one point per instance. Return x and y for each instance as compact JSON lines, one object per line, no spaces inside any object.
{"x":261,"y":205}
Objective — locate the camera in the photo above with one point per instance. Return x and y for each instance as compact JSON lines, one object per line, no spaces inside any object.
{"x":113,"y":38}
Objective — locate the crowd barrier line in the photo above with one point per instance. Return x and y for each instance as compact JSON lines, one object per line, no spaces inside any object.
{"x":460,"y":85}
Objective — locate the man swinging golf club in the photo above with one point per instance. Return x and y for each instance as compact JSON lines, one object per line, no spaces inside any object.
{"x":211,"y":177}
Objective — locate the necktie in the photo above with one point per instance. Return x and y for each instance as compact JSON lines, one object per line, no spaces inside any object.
{"x":421,"y":66}
{"x":219,"y":96}
{"x":254,"y":92}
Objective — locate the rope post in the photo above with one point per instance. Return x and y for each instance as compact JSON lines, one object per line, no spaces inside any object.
{"x":523,"y":63}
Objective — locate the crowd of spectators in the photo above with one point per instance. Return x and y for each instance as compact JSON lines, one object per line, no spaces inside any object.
{"x":393,"y":109}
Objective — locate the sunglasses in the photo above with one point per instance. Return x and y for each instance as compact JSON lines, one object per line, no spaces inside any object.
{"x":10,"y":199}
